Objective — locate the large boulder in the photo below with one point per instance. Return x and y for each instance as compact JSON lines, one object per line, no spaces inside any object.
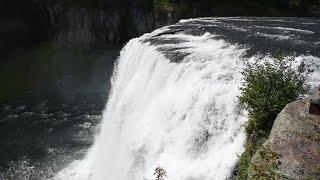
{"x":295,"y":138}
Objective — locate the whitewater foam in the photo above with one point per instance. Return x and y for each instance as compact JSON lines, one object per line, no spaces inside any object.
{"x":183,"y":117}
{"x":180,"y":116}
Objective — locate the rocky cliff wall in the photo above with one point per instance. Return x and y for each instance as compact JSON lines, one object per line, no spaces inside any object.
{"x":89,"y":27}
{"x":73,"y":24}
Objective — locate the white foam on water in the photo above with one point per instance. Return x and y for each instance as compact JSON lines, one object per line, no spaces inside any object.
{"x":286,"y":29}
{"x":183,"y":117}
{"x":311,"y":69}
{"x":273,"y":36}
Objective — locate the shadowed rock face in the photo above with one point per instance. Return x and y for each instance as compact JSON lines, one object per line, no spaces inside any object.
{"x":315,"y":103}
{"x":295,"y":138}
{"x":30,"y":22}
{"x":96,"y":27}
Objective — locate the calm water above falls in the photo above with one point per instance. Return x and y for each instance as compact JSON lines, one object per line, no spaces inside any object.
{"x":174,"y":97}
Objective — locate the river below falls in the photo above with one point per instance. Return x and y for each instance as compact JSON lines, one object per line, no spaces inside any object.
{"x":53,"y":110}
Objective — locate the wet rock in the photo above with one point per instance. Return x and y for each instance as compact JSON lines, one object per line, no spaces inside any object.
{"x":295,"y":138}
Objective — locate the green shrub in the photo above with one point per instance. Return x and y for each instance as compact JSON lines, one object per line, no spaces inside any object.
{"x":244,"y":161}
{"x":267,"y":89}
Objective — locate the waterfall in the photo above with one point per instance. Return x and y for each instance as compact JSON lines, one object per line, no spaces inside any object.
{"x":182,"y":116}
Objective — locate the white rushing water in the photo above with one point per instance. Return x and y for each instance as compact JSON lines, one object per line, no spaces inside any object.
{"x":182,"y":117}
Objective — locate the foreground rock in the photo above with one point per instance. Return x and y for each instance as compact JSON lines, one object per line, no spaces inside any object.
{"x":295,"y":138}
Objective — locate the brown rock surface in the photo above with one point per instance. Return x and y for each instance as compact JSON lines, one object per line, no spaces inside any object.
{"x":295,"y":137}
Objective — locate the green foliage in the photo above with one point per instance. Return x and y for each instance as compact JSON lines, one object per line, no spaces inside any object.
{"x":164,"y":5}
{"x":244,"y":161}
{"x":266,"y":168}
{"x":267,"y":89}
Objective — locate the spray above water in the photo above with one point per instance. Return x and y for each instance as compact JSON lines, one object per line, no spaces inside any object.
{"x":180,"y":116}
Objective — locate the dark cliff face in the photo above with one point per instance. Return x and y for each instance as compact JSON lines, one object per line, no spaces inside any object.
{"x":25,"y":23}
{"x":90,"y":27}
{"x":95,"y":23}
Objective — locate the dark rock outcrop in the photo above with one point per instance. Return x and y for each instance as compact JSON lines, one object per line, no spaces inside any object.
{"x":295,"y":137}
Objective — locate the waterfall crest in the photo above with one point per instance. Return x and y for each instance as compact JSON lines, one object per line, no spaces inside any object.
{"x":182,"y":116}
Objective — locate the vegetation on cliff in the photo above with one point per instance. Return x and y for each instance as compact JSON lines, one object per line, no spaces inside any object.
{"x":268,"y":87}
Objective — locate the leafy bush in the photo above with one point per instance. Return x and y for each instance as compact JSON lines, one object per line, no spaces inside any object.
{"x":267,"y":89}
{"x":244,"y":161}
